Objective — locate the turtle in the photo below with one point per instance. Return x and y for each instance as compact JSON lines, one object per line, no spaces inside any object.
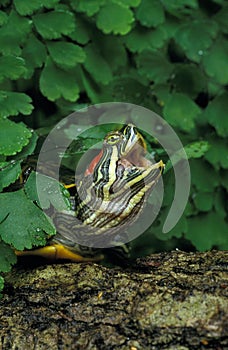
{"x":108,"y":198}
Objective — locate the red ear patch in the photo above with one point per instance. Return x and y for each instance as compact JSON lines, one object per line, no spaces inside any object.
{"x":92,"y":165}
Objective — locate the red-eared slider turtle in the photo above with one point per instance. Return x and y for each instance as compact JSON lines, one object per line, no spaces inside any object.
{"x":108,"y":198}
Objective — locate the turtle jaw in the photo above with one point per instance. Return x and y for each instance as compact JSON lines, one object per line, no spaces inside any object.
{"x":134,"y":155}
{"x":139,"y":173}
{"x":134,"y":148}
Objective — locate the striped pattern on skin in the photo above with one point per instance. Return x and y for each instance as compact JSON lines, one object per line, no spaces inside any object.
{"x":112,"y":197}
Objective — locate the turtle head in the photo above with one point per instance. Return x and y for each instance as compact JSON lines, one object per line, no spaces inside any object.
{"x":111,"y":194}
{"x":123,"y":157}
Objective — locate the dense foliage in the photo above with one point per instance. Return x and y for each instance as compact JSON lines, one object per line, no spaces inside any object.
{"x":169,"y":56}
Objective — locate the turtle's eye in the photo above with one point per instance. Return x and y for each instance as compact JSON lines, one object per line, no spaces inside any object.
{"x":113,"y":139}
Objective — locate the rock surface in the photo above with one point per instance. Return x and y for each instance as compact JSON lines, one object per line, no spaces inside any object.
{"x":169,"y":301}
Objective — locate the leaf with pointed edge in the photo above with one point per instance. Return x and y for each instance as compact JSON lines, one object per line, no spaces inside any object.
{"x":154,"y":66}
{"x":217,"y":154}
{"x":170,"y":26}
{"x":14,"y":33}
{"x":214,"y":233}
{"x":180,"y":7}
{"x":53,"y":192}
{"x":3,"y":18}
{"x":7,"y":257}
{"x":13,"y":137}
{"x":91,"y":87}
{"x":12,"y":67}
{"x":181,"y":111}
{"x":34,"y":53}
{"x":204,"y":201}
{"x":203,"y":175}
{"x":13,"y":103}
{"x":150,"y":13}
{"x":55,"y":82}
{"x":221,"y":18}
{"x":162,"y":93}
{"x":140,"y":39}
{"x":128,"y":89}
{"x":113,"y":51}
{"x":54,"y":24}
{"x":197,"y":149}
{"x":9,"y":173}
{"x":28,"y":149}
{"x":33,"y":230}
{"x":66,"y":55}
{"x":25,"y":7}
{"x":93,"y":61}
{"x":115,"y":18}
{"x":178,"y":230}
{"x":220,"y":202}
{"x":215,"y":62}
{"x":195,"y":37}
{"x":189,"y":79}
{"x":82,"y":32}
{"x":89,"y":7}
{"x":193,"y":150}
{"x":214,"y":88}
{"x":215,"y":114}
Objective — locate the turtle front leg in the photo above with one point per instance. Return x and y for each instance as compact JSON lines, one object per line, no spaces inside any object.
{"x":58,"y":252}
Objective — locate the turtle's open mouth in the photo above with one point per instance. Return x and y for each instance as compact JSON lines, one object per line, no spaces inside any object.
{"x":136,"y":156}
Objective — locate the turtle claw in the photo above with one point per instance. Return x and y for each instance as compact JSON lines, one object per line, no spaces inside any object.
{"x":58,"y":252}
